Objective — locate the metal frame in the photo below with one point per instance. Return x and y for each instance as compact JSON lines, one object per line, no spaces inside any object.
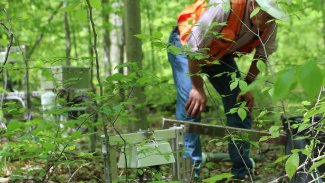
{"x":175,"y":135}
{"x":222,"y":131}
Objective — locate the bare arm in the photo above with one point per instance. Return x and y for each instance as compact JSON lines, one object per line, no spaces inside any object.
{"x":197,"y":98}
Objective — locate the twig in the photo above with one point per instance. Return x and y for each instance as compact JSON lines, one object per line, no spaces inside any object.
{"x":77,"y":171}
{"x":104,"y":125}
{"x":302,"y":165}
{"x":11,"y":39}
{"x":40,"y":37}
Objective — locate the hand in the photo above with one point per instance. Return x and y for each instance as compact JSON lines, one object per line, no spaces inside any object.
{"x":196,"y":102}
{"x":249,"y":99}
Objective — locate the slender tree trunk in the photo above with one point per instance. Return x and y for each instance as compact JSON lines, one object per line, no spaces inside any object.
{"x":152,"y":58}
{"x":27,"y":57}
{"x":91,"y":55}
{"x":323,"y":15}
{"x":121,"y":59}
{"x":134,"y":54}
{"x":67,"y":38}
{"x":74,"y":37}
{"x":107,"y":40}
{"x":117,"y":37}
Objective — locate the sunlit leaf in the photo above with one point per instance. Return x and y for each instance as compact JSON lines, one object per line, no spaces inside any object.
{"x":70,"y":7}
{"x":310,"y":78}
{"x":292,"y":165}
{"x":233,"y":85}
{"x":260,"y":65}
{"x":95,"y":4}
{"x":316,"y":165}
{"x":283,"y":83}
{"x":255,"y":11}
{"x":218,"y":177}
{"x":242,"y":85}
{"x":242,"y":113}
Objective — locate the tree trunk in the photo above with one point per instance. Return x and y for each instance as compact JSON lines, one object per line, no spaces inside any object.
{"x":134,"y":54}
{"x":107,"y":40}
{"x":323,"y":15}
{"x":91,"y":55}
{"x":67,"y":38}
{"x":152,"y":61}
{"x":117,"y":37}
{"x":74,"y":36}
{"x":121,"y":60}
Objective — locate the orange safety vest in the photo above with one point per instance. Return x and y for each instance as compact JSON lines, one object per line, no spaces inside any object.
{"x":230,"y":32}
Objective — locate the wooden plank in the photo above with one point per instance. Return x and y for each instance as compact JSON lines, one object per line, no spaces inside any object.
{"x":222,"y":131}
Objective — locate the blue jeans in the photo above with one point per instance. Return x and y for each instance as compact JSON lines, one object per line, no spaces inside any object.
{"x":239,"y":150}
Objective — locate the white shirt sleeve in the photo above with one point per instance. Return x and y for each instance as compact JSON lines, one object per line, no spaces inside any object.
{"x":201,"y":36}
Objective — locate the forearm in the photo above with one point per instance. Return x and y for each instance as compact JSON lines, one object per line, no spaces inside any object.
{"x":195,"y":68}
{"x":253,"y":70}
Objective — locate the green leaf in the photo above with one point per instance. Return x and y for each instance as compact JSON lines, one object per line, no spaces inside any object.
{"x":115,"y":77}
{"x":306,"y":152}
{"x":143,"y":36}
{"x":316,"y":165}
{"x":283,"y":83}
{"x":264,"y":138}
{"x":260,"y":65}
{"x":158,"y":176}
{"x":48,"y":146}
{"x":13,"y":125}
{"x":292,"y":165}
{"x":81,"y":15}
{"x":242,"y":113}
{"x":310,"y":78}
{"x":281,"y":159}
{"x":218,"y":177}
{"x":263,"y":113}
{"x":95,"y":4}
{"x":174,"y":50}
{"x":226,"y":6}
{"x":157,"y":35}
{"x":70,"y":7}
{"x":242,"y":85}
{"x":140,"y":171}
{"x":76,"y":135}
{"x":306,"y":103}
{"x":304,"y":126}
{"x":275,"y":131}
{"x":233,"y":85}
{"x":255,"y":11}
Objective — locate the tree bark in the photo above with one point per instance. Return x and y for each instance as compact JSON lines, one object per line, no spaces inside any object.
{"x":134,"y":54}
{"x":74,"y":37}
{"x":91,"y":55}
{"x":107,"y":39}
{"x":67,"y":38}
{"x":323,"y":15}
{"x":117,"y":37}
{"x":121,"y":46}
{"x":152,"y":58}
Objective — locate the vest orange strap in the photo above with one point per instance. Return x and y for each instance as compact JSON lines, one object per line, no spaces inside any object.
{"x":230,"y":32}
{"x":188,"y":17}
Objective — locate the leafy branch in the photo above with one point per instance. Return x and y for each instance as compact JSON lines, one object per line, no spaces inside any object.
{"x":11,"y":39}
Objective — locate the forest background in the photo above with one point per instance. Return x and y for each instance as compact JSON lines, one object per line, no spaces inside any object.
{"x":131,"y":84}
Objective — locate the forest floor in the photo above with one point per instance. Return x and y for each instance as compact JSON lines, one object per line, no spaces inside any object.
{"x":77,"y":168}
{"x":90,"y":170}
